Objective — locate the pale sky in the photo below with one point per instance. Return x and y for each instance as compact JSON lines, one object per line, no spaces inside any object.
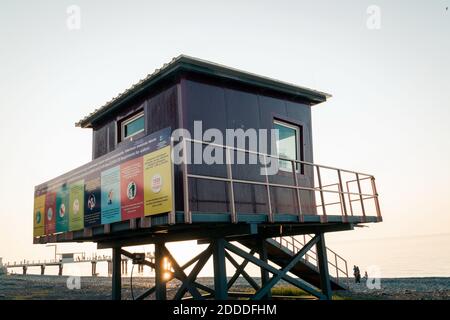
{"x":388,"y":116}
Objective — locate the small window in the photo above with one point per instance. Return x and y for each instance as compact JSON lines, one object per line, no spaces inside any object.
{"x":132,"y":126}
{"x":288,"y":144}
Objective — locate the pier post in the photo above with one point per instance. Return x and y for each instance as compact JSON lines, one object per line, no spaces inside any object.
{"x":124,"y":264}
{"x":116,"y":276}
{"x":60,"y":272}
{"x":160,"y":283}
{"x":42,"y":269}
{"x":24,"y":270}
{"x":94,"y":268}
{"x":110,"y":268}
{"x":220,"y":273}
{"x":325,"y":284}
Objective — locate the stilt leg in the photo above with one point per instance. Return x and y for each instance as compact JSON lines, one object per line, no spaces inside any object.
{"x":160,"y":282}
{"x":220,"y":273}
{"x":323,"y":268}
{"x":116,"y":274}
{"x":264,"y":273}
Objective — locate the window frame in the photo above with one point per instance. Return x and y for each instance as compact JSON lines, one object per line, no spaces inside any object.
{"x":127,"y":120}
{"x":299,"y":144}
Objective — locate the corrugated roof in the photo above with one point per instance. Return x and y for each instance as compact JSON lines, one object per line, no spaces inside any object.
{"x":188,"y":63}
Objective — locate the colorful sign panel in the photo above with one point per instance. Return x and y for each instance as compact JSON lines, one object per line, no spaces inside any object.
{"x":132,"y":188}
{"x":110,"y":195}
{"x":50,"y":213}
{"x":38,"y":216}
{"x":133,"y":181}
{"x":158,"y":182}
{"x":92,"y":201}
{"x":62,"y":209}
{"x":76,"y":202}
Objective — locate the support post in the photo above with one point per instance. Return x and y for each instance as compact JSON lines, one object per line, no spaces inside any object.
{"x":220,"y":273}
{"x":109,"y":268}
{"x":264,"y":273}
{"x":94,"y":268}
{"x":42,"y":269}
{"x":60,"y":272}
{"x":323,"y":267}
{"x":116,"y":276}
{"x":160,"y":282}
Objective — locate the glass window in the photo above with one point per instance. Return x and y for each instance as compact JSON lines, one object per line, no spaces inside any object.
{"x":133,"y":126}
{"x":287,"y":144}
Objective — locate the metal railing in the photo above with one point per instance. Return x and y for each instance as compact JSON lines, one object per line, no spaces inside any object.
{"x":337,"y":265}
{"x":321,"y":189}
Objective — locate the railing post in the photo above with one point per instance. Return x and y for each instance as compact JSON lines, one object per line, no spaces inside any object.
{"x":187,"y":213}
{"x":319,"y":180}
{"x":361,"y":197}
{"x":341,"y":195}
{"x":230,"y":185}
{"x":349,"y":198}
{"x":337,"y":268}
{"x":269,"y":202}
{"x":172,"y":213}
{"x":375,"y":194}
{"x":297,"y":191}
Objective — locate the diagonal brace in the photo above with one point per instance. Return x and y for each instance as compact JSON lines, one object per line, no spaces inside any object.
{"x":239,"y":270}
{"x":181,"y":275}
{"x":294,"y":281}
{"x":283,"y":272}
{"x":171,"y":276}
{"x":242,"y":271}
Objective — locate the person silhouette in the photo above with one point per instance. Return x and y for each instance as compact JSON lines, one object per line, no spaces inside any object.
{"x":356,"y":274}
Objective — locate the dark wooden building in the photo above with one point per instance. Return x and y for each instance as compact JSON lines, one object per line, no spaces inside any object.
{"x":188,"y":90}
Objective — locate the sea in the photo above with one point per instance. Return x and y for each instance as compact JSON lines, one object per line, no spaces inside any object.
{"x":391,"y":257}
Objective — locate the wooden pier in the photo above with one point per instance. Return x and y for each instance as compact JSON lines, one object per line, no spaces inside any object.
{"x":78,"y":258}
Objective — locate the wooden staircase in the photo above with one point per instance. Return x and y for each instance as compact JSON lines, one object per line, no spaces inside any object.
{"x":281,"y":250}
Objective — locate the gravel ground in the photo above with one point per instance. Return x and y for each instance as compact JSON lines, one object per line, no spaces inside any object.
{"x":402,"y":289}
{"x":55,"y":288}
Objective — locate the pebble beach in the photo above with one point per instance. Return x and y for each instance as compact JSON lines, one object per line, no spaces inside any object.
{"x":20,"y":287}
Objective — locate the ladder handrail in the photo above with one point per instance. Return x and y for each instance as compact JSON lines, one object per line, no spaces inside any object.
{"x":334,"y":256}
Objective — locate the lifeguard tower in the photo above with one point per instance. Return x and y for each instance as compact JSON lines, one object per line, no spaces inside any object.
{"x":135,"y":192}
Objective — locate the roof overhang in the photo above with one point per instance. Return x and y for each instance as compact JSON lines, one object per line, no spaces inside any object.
{"x":185,"y":63}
